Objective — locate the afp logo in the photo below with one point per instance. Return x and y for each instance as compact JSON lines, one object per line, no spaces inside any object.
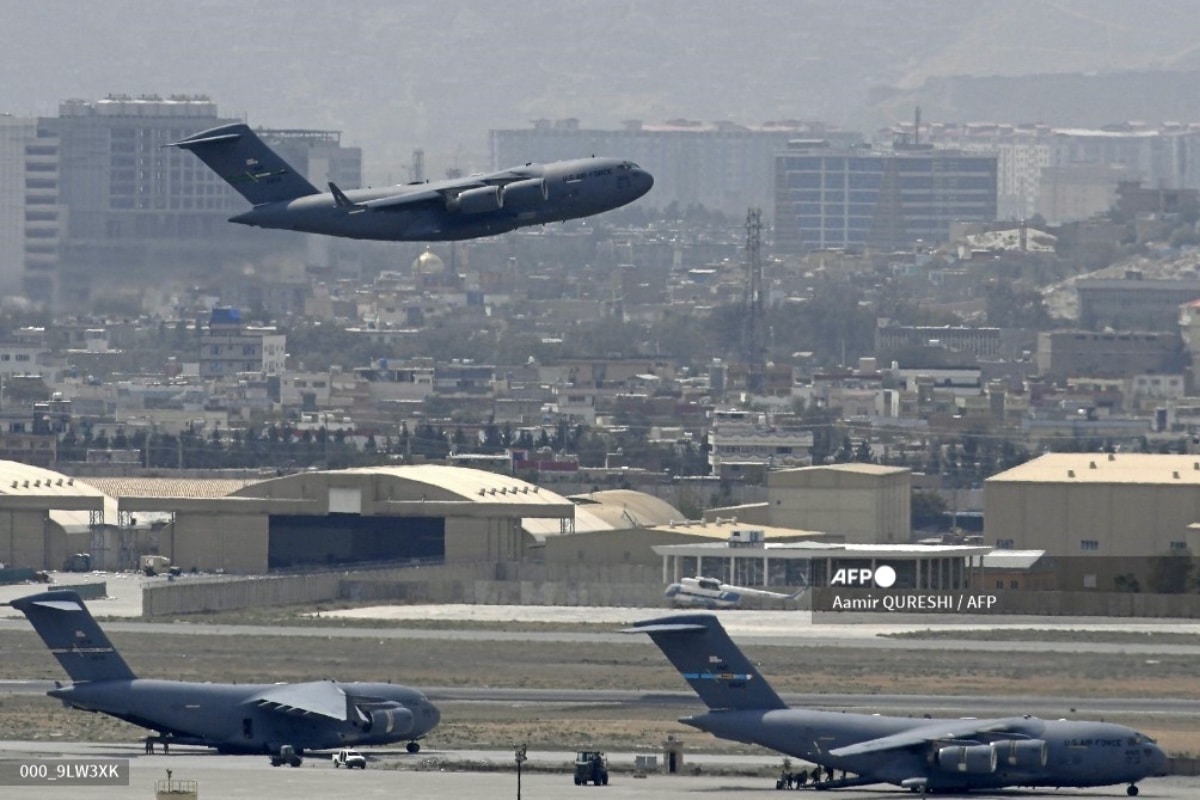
{"x":882,"y":577}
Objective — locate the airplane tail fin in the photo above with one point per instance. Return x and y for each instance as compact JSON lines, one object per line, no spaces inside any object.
{"x":256,"y":171}
{"x":73,"y":636}
{"x":710,"y":662}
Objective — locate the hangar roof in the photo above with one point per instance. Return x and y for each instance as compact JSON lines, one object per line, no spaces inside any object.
{"x":855,"y":467}
{"x":25,"y":479}
{"x":611,"y":510}
{"x":720,"y":531}
{"x":467,"y":483}
{"x":1105,"y":468}
{"x":170,"y":487}
{"x":625,"y":508}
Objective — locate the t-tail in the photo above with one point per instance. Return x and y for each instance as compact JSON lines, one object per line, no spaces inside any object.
{"x":710,"y":662}
{"x":73,"y":636}
{"x":256,"y":171}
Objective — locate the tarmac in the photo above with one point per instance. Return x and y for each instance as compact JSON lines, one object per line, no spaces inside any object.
{"x":546,"y":775}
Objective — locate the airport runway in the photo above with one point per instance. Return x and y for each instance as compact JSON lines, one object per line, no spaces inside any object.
{"x":686,"y":701}
{"x":397,"y":774}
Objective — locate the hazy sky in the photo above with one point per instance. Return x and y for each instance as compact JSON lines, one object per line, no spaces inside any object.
{"x":439,"y":74}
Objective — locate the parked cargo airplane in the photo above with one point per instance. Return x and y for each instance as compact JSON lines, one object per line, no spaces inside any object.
{"x":926,"y":755}
{"x":711,"y":593}
{"x":458,"y":208}
{"x":279,"y":719}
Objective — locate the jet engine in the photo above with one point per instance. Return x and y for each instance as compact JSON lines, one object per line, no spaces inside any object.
{"x":396,"y":720}
{"x":525,"y":194}
{"x":975,"y":759}
{"x":478,"y":201}
{"x":1022,"y":753}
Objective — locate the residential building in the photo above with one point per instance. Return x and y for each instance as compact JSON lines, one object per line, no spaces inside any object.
{"x":227,"y":347}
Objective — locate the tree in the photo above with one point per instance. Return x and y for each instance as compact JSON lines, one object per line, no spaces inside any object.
{"x":927,"y":509}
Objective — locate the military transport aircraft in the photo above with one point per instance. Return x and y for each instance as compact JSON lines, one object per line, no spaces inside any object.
{"x":711,"y":593}
{"x":458,"y":208}
{"x":279,"y":719}
{"x":926,"y":755}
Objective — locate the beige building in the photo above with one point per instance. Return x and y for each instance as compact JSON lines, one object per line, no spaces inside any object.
{"x":858,"y":503}
{"x":346,"y":519}
{"x":1122,"y":505}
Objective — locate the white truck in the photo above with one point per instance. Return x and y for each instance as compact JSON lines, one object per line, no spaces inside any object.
{"x":349,"y":759}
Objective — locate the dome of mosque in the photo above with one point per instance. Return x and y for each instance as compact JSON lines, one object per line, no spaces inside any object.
{"x":428,"y":263}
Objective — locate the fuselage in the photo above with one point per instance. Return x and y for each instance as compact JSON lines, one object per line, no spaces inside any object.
{"x":569,"y":190}
{"x":1076,"y":753}
{"x":233,"y":718}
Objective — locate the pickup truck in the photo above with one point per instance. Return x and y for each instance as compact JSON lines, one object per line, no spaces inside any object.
{"x":349,"y":759}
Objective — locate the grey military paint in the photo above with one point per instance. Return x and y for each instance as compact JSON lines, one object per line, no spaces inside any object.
{"x":918,"y":754}
{"x":232,"y":718}
{"x":459,"y":208}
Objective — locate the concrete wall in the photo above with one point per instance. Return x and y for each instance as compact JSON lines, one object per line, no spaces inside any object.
{"x":1100,"y":604}
{"x":517,"y":584}
{"x":195,"y":595}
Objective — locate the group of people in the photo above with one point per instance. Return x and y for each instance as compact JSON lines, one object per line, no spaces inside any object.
{"x":797,"y":780}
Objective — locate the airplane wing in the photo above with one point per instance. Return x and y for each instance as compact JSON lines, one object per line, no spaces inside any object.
{"x":317,"y":698}
{"x":934,"y":731}
{"x":442,"y":192}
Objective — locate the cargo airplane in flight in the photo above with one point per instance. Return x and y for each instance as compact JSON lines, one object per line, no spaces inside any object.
{"x":452,"y":209}
{"x":922,"y":755}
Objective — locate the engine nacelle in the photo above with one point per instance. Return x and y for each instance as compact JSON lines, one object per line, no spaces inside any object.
{"x":974,"y":759}
{"x":384,"y":721}
{"x":1022,"y":753}
{"x":525,"y":194}
{"x":478,"y":201}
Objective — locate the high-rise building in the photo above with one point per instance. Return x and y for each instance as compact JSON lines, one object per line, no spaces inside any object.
{"x":30,"y":214}
{"x":138,"y":208}
{"x":722,"y":166}
{"x":851,"y":199}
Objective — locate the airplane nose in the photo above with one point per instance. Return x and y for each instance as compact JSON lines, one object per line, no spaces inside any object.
{"x":435,"y":716}
{"x":645,"y":181}
{"x":1162,"y":763}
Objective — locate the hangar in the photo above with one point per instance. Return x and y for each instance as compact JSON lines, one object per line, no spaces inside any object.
{"x":390,"y":514}
{"x":412,"y":513}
